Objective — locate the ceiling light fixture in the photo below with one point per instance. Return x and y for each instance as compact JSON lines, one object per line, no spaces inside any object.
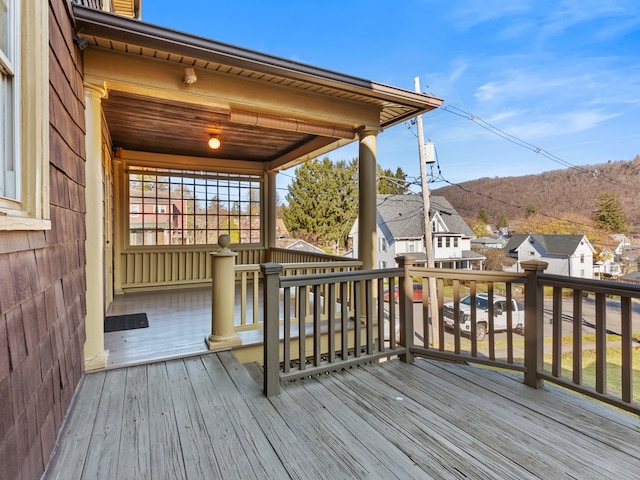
{"x":214,"y":142}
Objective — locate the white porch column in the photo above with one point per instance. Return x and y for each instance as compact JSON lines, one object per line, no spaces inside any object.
{"x":367,"y":243}
{"x":95,"y":356}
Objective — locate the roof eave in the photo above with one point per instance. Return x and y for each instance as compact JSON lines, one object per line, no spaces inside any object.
{"x":121,"y":29}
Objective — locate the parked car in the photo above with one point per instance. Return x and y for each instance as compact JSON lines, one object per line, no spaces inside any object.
{"x":417,"y":293}
{"x":482,"y":315}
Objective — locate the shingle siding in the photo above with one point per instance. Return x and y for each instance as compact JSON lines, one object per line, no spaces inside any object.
{"x":42,"y":298}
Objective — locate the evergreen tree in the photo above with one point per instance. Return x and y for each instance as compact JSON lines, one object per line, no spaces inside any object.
{"x":530,"y":210}
{"x":391,"y":183}
{"x":502,"y":221}
{"x":323,"y":200}
{"x":608,"y":213}
{"x":483,"y":216}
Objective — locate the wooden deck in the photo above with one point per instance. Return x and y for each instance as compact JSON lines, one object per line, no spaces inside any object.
{"x":206,"y":417}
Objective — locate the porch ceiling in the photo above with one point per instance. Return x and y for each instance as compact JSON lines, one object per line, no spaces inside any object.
{"x":138,"y":120}
{"x":155,"y":125}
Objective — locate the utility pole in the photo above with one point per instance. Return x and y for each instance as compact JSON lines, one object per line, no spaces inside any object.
{"x":428,"y":239}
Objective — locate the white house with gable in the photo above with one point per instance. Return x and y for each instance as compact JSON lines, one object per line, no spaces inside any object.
{"x":400,"y":231}
{"x":570,"y":255}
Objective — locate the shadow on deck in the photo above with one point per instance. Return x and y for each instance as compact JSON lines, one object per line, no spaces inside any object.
{"x":206,"y":417}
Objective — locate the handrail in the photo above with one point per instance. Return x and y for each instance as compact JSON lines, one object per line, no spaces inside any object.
{"x":538,"y":354}
{"x":346,"y":308}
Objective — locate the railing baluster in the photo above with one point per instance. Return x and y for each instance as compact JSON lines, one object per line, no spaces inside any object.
{"x":627,"y":349}
{"x":556,"y":366}
{"x":601,"y":343}
{"x":474,"y":313}
{"x":317,"y":312}
{"x":331,"y":320}
{"x":509,"y":297}
{"x":287,"y":329}
{"x":357,"y":334}
{"x":577,"y":337}
{"x":456,"y":315}
{"x":440,"y":292}
{"x":492,"y":321}
{"x":344,"y":318}
{"x":368,"y":303}
{"x":380,"y":318}
{"x":302,"y":326}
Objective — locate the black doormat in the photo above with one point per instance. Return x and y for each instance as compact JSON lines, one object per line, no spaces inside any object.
{"x":116,"y":323}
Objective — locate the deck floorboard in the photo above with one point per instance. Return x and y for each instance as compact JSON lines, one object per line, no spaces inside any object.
{"x":206,"y":417}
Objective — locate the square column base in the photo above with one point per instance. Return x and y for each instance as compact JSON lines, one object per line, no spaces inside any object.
{"x":221,"y":343}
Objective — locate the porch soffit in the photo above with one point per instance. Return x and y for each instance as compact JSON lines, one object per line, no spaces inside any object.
{"x":137,"y":121}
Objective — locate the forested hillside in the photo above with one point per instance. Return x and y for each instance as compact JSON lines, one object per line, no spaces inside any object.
{"x":556,"y":192}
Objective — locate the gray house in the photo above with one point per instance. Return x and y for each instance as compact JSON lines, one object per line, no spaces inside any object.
{"x":570,"y":255}
{"x":400,"y":229}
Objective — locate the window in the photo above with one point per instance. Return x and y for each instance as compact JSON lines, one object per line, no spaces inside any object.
{"x":582,"y":258}
{"x":24,"y":115}
{"x":383,"y":244}
{"x":411,"y":244}
{"x":455,"y":242}
{"x":9,"y":99}
{"x":134,"y":211}
{"x":439,"y":242}
{"x":182,"y":207}
{"x":448,"y":242}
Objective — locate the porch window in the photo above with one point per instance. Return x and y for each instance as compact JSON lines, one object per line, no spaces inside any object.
{"x":9,"y":99}
{"x":24,"y":115}
{"x":182,"y":207}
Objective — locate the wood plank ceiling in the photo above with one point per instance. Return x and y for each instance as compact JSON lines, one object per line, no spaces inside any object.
{"x":164,"y":126}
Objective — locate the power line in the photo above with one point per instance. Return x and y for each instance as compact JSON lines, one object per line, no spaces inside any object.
{"x":452,"y":109}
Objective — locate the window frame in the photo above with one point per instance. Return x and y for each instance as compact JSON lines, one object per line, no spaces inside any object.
{"x":28,"y":208}
{"x":176,"y":181}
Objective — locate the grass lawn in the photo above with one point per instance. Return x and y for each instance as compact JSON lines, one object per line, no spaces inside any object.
{"x":614,"y":361}
{"x":614,"y":369}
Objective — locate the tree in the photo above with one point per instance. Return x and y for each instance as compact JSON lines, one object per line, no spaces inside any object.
{"x":391,"y":183}
{"x":530,"y":210}
{"x":323,"y":200}
{"x":608,"y":213}
{"x":483,"y":216}
{"x":502,"y":221}
{"x":496,"y":258}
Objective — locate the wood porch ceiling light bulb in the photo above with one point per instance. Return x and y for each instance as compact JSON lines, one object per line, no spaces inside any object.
{"x":214,"y":142}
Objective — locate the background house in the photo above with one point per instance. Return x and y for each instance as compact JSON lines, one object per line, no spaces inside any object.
{"x":570,"y":255}
{"x":400,"y":229}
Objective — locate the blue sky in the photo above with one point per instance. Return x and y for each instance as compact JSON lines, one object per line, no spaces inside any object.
{"x":560,"y":75}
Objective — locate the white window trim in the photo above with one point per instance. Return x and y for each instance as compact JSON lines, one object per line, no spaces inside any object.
{"x":30,"y":209}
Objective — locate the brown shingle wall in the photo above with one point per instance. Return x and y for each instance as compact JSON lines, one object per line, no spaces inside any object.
{"x":42,"y":282}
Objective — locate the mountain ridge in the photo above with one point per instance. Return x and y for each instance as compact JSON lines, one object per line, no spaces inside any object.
{"x":555,"y":192}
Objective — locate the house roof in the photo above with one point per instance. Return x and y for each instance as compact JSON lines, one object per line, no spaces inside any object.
{"x":403,"y":215}
{"x":552,"y":244}
{"x":308,"y":110}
